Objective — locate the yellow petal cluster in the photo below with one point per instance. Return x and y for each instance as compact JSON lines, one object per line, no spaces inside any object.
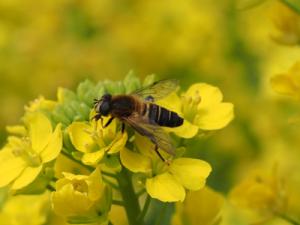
{"x":204,"y":205}
{"x":181,"y":174}
{"x":288,"y":83}
{"x":202,"y":107}
{"x":78,"y":195}
{"x":287,"y":23}
{"x":262,"y":193}
{"x":94,"y":141}
{"x":22,"y":159}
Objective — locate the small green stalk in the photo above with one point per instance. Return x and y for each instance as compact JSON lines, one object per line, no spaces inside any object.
{"x":288,"y":219}
{"x":130,"y":199}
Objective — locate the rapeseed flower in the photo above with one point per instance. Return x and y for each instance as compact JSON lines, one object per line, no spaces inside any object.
{"x":288,"y":83}
{"x":287,"y":23}
{"x":22,"y":158}
{"x":262,"y":193}
{"x":202,"y":108}
{"x":94,"y":141}
{"x":166,"y":181}
{"x":81,"y":197}
{"x":97,"y":162}
{"x":204,"y":205}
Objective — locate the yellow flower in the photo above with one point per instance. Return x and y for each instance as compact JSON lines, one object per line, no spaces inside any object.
{"x":81,"y":196}
{"x":287,"y":23}
{"x":26,"y":209}
{"x":64,"y":164}
{"x":166,"y":182}
{"x":288,"y":83}
{"x":201,"y":107}
{"x":204,"y":205}
{"x":261,"y":193}
{"x":22,"y":159}
{"x":94,"y":141}
{"x":40,"y":103}
{"x":170,"y":182}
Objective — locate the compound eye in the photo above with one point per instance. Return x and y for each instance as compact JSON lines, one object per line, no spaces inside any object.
{"x":105,"y":108}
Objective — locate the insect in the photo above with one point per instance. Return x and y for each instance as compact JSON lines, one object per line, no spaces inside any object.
{"x":139,"y":111}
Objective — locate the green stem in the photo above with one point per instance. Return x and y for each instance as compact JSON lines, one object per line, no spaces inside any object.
{"x":145,"y":208}
{"x":161,"y":214}
{"x":141,"y":192}
{"x":112,"y":175}
{"x":50,"y":187}
{"x":114,"y":186}
{"x":90,"y":168}
{"x":130,"y":199}
{"x":118,"y":202}
{"x":288,"y":219}
{"x":77,"y":161}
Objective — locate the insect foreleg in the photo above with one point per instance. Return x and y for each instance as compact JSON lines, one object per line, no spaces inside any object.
{"x":109,"y":121}
{"x":158,"y":153}
{"x":123,"y":128}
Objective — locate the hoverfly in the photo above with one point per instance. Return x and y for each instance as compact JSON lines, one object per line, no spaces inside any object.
{"x":139,"y":111}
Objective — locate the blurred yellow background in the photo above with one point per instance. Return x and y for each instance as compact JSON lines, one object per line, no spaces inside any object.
{"x":47,"y":44}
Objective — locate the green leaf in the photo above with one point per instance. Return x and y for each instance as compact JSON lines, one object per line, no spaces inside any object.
{"x":99,"y":90}
{"x":68,"y":95}
{"x":131,"y":82}
{"x":84,"y":88}
{"x":149,"y":80}
{"x":293,"y":4}
{"x":112,"y":87}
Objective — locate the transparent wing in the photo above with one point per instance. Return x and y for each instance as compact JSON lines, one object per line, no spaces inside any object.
{"x":153,"y":131}
{"x":158,"y":89}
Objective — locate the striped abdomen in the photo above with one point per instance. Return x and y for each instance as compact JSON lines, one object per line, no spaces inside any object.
{"x":162,"y":116}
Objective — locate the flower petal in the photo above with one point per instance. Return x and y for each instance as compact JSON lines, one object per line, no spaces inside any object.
{"x":10,"y":166}
{"x":186,"y":130}
{"x":93,"y":158}
{"x":54,"y":146}
{"x":171,"y":102}
{"x":80,"y":137}
{"x":26,"y":177}
{"x":165,"y":188}
{"x":16,"y":130}
{"x":215,"y":117}
{"x":204,"y":205}
{"x":191,"y":173}
{"x":144,"y":145}
{"x":68,"y":202}
{"x":135,"y":162}
{"x":96,"y":186}
{"x":110,"y":131}
{"x":209,"y":94}
{"x":40,"y":130}
{"x":118,"y":143}
{"x":283,"y":84}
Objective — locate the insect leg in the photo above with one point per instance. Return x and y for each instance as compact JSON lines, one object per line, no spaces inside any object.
{"x":109,"y":121}
{"x":149,"y":98}
{"x":157,"y":152}
{"x":123,"y":128}
{"x":96,"y":117}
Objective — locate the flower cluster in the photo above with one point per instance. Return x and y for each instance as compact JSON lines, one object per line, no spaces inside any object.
{"x":288,"y":83}
{"x":88,"y":167}
{"x":286,"y":19}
